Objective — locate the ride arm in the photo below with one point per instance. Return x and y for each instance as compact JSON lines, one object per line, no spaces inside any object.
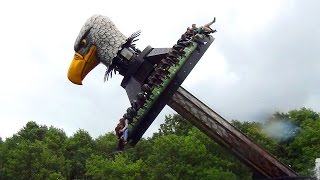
{"x":221,"y":131}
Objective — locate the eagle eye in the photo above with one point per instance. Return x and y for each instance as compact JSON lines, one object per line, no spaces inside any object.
{"x":83,"y":42}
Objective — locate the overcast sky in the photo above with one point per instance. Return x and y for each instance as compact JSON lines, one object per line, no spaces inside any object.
{"x":265,"y":58}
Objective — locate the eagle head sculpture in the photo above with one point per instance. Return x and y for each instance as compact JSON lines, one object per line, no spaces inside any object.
{"x":98,"y":41}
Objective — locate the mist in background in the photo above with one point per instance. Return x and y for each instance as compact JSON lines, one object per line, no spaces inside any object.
{"x":281,"y":130}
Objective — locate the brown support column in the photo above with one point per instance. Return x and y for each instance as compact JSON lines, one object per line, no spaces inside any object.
{"x":221,"y":131}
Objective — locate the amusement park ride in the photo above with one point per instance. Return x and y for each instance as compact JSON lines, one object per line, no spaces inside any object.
{"x":152,"y":79}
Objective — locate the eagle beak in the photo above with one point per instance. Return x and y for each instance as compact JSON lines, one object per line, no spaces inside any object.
{"x":82,"y":65}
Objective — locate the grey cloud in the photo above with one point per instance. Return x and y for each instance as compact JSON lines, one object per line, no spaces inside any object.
{"x":278,"y":67}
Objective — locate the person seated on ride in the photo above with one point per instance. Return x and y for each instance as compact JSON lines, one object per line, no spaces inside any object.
{"x":118,"y":128}
{"x":122,"y":129}
{"x":125,"y":130}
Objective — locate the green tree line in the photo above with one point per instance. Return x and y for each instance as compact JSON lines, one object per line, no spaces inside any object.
{"x":177,"y":151}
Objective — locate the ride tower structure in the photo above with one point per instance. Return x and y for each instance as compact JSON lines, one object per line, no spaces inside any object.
{"x":152,"y":79}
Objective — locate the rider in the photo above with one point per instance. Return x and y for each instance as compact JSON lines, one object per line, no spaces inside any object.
{"x":124,"y":130}
{"x":122,"y":133}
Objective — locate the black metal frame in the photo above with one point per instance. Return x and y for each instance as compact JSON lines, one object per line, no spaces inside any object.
{"x":132,"y":83}
{"x":143,"y":64}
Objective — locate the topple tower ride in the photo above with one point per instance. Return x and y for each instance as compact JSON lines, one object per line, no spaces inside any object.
{"x":152,"y":78}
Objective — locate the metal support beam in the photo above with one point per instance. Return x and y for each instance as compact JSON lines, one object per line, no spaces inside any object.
{"x":221,"y":131}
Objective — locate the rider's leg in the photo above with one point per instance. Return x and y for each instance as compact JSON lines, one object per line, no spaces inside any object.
{"x":125,"y":135}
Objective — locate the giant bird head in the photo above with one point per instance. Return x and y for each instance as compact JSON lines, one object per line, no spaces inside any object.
{"x":98,"y":41}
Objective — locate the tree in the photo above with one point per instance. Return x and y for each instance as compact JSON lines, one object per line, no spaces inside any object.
{"x":33,"y":158}
{"x":23,"y":158}
{"x":305,"y":148}
{"x":303,"y":115}
{"x":184,"y":157}
{"x":177,"y":151}
{"x":301,"y":149}
{"x":142,"y":150}
{"x":32,"y":131}
{"x":120,"y":167}
{"x":175,"y":124}
{"x":53,"y":159}
{"x":254,"y":131}
{"x":106,"y":145}
{"x":22,"y":152}
{"x":230,"y":162}
{"x":79,"y":148}
{"x":2,"y":156}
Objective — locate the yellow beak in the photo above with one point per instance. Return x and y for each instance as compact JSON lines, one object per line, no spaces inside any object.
{"x":81,"y":66}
